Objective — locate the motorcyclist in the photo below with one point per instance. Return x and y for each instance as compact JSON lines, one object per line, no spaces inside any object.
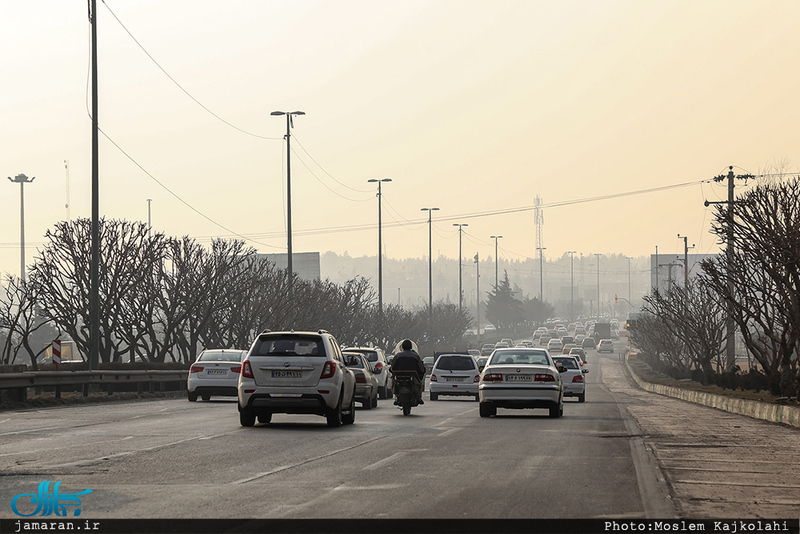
{"x":408,"y":360}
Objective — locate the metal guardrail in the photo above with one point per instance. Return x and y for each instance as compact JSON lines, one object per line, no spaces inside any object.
{"x":108,"y":379}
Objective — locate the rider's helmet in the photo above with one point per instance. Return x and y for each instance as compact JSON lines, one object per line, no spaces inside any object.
{"x":407,"y":344}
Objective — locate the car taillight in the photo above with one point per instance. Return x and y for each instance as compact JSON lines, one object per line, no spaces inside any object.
{"x":360,"y":379}
{"x":544,"y":378}
{"x":328,"y":370}
{"x":492,"y":377}
{"x":577,"y":378}
{"x":433,"y":378}
{"x":477,"y":378}
{"x":247,"y":371}
{"x":378,"y":368}
{"x":195,"y":369}
{"x":237,"y":369}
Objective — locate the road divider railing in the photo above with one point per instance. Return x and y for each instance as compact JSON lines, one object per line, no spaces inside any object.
{"x":15,"y":385}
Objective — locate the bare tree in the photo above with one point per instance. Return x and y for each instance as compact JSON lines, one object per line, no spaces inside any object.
{"x":21,"y":319}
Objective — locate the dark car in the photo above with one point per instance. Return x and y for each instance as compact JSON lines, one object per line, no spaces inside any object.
{"x":587,"y":343}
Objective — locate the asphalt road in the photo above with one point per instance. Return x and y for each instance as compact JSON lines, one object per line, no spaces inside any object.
{"x":624,"y":453}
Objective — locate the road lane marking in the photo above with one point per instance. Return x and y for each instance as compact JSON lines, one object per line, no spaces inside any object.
{"x":447,"y":432}
{"x":303,"y":462}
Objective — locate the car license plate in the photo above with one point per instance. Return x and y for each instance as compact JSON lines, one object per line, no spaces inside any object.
{"x":453,"y":379}
{"x":287,"y":374}
{"x":217,"y":371}
{"x":519,"y":378}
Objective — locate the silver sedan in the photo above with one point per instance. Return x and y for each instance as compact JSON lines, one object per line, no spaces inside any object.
{"x":518,"y":378}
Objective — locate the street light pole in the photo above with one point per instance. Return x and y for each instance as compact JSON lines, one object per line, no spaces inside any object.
{"x":541,"y":272}
{"x":496,"y":263}
{"x":149,"y":226}
{"x":460,"y":292}
{"x":380,"y":246}
{"x":289,"y":124}
{"x":598,"y":284}
{"x":430,"y":262}
{"x":571,"y":284}
{"x":478,"y":290}
{"x":629,"y":281}
{"x":21,"y":179}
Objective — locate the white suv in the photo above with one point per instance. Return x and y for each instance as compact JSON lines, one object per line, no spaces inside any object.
{"x":377,"y":360}
{"x":296,"y":372}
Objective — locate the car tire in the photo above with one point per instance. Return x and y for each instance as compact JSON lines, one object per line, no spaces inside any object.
{"x":206,"y":398}
{"x":264,"y":418}
{"x":383,"y":393}
{"x":375,"y":401}
{"x":367,"y":404}
{"x":434,"y":396}
{"x":556,"y":411}
{"x":350,"y":417}
{"x":192,"y":397}
{"x":487,"y":410}
{"x":477,"y":398}
{"x":334,"y":415}
{"x":247,"y":418}
{"x":582,"y":397}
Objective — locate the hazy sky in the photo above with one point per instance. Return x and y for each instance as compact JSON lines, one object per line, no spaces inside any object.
{"x":474,"y":107}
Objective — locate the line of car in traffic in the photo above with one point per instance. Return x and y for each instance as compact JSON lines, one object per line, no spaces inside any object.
{"x":308,"y":373}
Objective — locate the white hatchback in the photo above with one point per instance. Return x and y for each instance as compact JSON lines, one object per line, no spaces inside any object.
{"x":454,"y":374}
{"x":574,"y":382}
{"x":555,"y":346}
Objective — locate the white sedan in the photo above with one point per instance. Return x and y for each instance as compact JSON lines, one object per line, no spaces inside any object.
{"x":521,"y":378}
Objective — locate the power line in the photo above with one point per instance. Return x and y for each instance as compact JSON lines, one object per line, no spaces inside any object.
{"x":179,"y":86}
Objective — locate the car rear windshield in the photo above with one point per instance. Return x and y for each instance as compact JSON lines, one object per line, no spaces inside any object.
{"x":292,"y":345}
{"x":356,"y":362}
{"x":455,"y":363}
{"x":569,"y":363}
{"x":513,"y":357}
{"x":371,"y":355}
{"x":220,"y":356}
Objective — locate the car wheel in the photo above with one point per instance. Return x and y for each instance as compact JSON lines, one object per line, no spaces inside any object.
{"x":350,"y":417}
{"x":434,"y":396}
{"x":477,"y":398}
{"x":375,"y":401}
{"x":264,"y":418}
{"x":487,"y":410}
{"x":334,"y":416}
{"x":192,"y":397}
{"x":247,"y":418}
{"x":206,"y":398}
{"x":582,"y":397}
{"x":367,"y":404}
{"x":383,"y":393}
{"x":556,"y":411}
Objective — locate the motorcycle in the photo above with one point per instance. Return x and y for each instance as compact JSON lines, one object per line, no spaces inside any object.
{"x":406,"y":384}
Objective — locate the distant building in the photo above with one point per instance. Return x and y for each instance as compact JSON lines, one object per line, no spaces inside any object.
{"x":305,"y":264}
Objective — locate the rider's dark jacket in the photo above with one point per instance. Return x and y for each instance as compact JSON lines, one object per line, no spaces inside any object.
{"x":409,"y":360}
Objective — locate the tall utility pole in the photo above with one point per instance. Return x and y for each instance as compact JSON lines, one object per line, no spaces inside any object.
{"x":289,"y":124}
{"x":478,"y":289}
{"x":730,"y":325}
{"x":21,"y":179}
{"x":598,"y":284}
{"x":460,"y":291}
{"x":149,"y":221}
{"x":571,"y":284}
{"x":657,"y":267}
{"x":430,"y":263}
{"x":496,"y":263}
{"x":685,"y":260}
{"x":94,"y":267}
{"x":380,"y":247}
{"x":541,"y":272}
{"x":629,"y":281}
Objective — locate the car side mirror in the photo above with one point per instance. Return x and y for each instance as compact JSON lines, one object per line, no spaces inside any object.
{"x":584,"y":371}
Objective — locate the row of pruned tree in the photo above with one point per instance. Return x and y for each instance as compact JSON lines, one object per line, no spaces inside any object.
{"x":685,"y":327}
{"x":165,"y":299}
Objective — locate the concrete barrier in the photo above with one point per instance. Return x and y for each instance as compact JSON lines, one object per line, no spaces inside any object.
{"x":775,"y":413}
